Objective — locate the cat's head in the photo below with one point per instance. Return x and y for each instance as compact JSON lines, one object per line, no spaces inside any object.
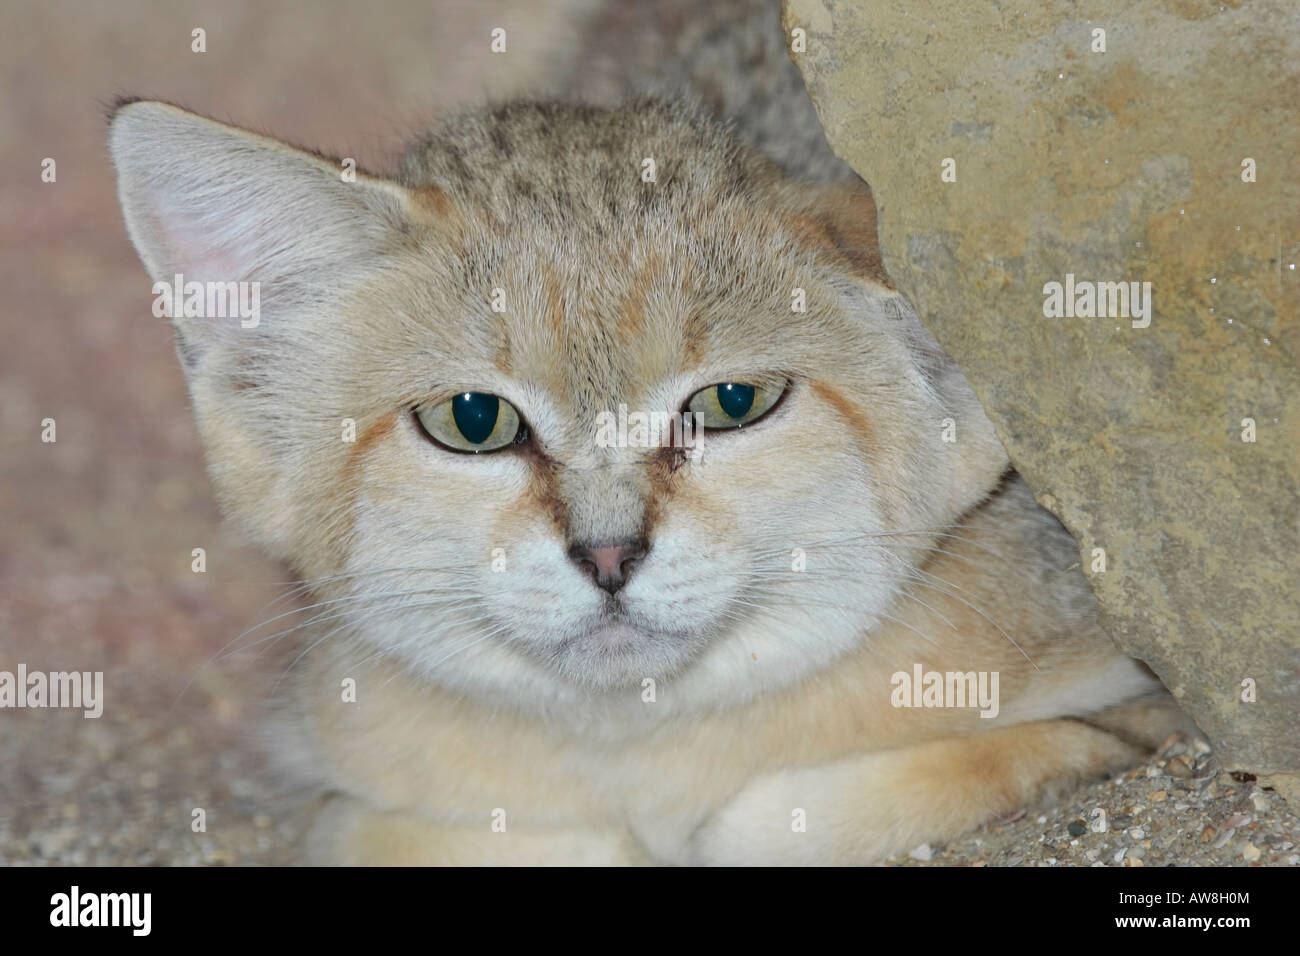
{"x":423,"y":416}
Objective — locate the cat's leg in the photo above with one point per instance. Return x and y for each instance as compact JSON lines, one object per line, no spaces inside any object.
{"x":1145,"y":721}
{"x":348,"y":832}
{"x":867,"y":807}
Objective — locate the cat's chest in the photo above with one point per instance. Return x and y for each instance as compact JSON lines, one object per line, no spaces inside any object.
{"x":461,"y":763}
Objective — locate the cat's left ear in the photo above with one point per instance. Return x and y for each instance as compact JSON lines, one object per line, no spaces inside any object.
{"x":843,"y":217}
{"x":214,"y":203}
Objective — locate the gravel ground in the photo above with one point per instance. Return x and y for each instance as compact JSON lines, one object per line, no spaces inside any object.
{"x":1179,"y":809}
{"x":125,"y":794}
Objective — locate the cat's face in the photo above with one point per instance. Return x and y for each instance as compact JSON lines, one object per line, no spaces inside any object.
{"x":426,"y":416}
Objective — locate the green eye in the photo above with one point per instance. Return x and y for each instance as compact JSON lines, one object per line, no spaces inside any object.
{"x":473,"y":422}
{"x":732,"y":404}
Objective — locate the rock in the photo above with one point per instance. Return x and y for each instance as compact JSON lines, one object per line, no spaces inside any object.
{"x":1128,"y":165}
{"x":922,"y":853}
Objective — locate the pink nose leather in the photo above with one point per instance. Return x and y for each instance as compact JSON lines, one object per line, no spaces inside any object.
{"x":608,"y":560}
{"x":610,"y":563}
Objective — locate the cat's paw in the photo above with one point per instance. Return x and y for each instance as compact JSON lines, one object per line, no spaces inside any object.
{"x":871,"y":806}
{"x":807,"y":817}
{"x":351,"y":833}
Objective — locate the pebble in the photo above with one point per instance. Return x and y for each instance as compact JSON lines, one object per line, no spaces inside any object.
{"x":1175,"y":746}
{"x":1179,"y":766}
{"x":1224,"y":837}
{"x":1076,"y":828}
{"x":922,"y":853}
{"x":1250,"y":852}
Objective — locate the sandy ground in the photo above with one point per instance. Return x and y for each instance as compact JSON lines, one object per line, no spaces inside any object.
{"x":97,"y":528}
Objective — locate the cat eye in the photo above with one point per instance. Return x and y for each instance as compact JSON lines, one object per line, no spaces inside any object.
{"x":733,"y":404}
{"x":472,"y":422}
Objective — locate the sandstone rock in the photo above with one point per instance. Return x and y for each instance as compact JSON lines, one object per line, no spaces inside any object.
{"x":1128,"y":165}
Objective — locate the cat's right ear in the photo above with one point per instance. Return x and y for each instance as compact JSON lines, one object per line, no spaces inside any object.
{"x":216,"y":204}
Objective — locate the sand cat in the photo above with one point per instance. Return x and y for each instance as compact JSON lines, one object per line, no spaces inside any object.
{"x":811,"y":618}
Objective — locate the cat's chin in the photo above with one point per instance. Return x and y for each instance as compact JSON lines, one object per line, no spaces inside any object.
{"x":619,"y":654}
{"x":617,"y":636}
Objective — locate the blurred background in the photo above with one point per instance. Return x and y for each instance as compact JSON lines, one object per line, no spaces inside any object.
{"x":97,"y":528}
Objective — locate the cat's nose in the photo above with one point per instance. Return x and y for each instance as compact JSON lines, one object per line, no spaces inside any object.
{"x":609,"y":564}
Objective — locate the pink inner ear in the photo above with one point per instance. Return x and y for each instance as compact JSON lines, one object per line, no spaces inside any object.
{"x":188,"y":254}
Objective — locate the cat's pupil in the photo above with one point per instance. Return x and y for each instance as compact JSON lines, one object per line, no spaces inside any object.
{"x":736,"y":400}
{"x":476,"y":415}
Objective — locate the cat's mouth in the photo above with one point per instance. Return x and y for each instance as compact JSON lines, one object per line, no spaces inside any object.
{"x":617,"y":651}
{"x":617,"y":634}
